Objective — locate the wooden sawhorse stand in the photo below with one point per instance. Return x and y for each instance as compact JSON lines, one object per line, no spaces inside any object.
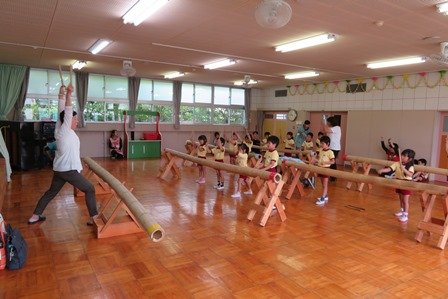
{"x":110,"y":223}
{"x":169,"y":166}
{"x":101,"y":187}
{"x":433,"y":225}
{"x":268,"y":194}
{"x":366,"y":170}
{"x":291,"y":171}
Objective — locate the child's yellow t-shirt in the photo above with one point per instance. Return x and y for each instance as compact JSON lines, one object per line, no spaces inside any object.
{"x":400,"y":174}
{"x":308,"y":145}
{"x":289,"y":143}
{"x":271,"y":156}
{"x":241,"y":159}
{"x":325,"y":156}
{"x":202,"y":151}
{"x":218,"y":153}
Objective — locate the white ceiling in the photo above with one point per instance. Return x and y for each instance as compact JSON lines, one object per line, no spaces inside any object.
{"x":186,"y":34}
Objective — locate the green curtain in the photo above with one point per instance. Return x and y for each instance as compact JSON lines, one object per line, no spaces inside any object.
{"x":82,"y":84}
{"x":133,"y":87}
{"x":11,"y":80}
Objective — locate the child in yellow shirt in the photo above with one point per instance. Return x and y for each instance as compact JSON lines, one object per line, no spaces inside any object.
{"x":218,"y":152}
{"x":289,"y":143}
{"x":325,"y":159}
{"x":202,"y":153}
{"x":271,"y":157}
{"x":241,"y":160}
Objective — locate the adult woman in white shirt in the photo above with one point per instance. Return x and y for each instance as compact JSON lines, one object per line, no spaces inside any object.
{"x":333,"y":130}
{"x":67,"y":162}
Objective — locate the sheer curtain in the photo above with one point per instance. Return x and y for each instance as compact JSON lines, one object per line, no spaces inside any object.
{"x":133,"y":87}
{"x":5,"y":153}
{"x":247,"y":100}
{"x":82,"y":85}
{"x":11,"y":80}
{"x":177,"y":94}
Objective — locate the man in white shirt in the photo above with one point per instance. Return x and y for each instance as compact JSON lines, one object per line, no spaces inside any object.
{"x":67,"y":162}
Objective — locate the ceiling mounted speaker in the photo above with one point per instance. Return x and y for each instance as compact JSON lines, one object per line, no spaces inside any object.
{"x":273,"y":13}
{"x":128,"y":70}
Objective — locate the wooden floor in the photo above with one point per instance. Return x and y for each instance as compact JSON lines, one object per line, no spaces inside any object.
{"x":212,"y":251}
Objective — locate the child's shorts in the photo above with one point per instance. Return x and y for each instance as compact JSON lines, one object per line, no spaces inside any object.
{"x":243,"y":177}
{"x":403,"y":192}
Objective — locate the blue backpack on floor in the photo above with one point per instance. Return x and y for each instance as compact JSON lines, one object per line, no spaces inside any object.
{"x":16,"y":248}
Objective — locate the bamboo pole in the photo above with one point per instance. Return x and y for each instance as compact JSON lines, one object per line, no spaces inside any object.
{"x":361,"y":178}
{"x":71,"y":73}
{"x":151,"y":227}
{"x":286,"y":151}
{"x":60,"y":75}
{"x":263,"y":174}
{"x":227,"y":150}
{"x":428,"y":169}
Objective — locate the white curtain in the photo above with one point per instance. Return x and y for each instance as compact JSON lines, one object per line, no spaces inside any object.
{"x":5,"y":153}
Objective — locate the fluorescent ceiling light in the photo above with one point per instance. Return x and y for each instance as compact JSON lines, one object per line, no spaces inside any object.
{"x":242,"y":82}
{"x":173,"y":75}
{"x":443,"y":8}
{"x":79,"y":64}
{"x":218,"y":64}
{"x":300,"y":75}
{"x":307,"y":42}
{"x":396,"y":62}
{"x":99,"y":45}
{"x":142,"y":10}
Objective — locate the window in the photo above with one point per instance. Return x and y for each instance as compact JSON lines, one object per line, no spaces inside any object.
{"x":222,"y":96}
{"x":281,"y":116}
{"x":107,"y":98}
{"x":237,"y":116}
{"x":207,"y":104}
{"x":163,"y":91}
{"x":42,"y":95}
{"x":40,"y":109}
{"x":155,"y":96}
{"x":237,"y":96}
{"x":203,"y":94}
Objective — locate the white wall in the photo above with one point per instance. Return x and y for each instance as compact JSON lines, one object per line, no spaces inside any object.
{"x":420,"y":98}
{"x":409,"y":129}
{"x":408,"y":115}
{"x":95,"y":136}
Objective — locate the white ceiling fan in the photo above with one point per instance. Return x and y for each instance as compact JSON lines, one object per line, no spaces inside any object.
{"x":273,"y":13}
{"x":442,"y":57}
{"x":246,"y":82}
{"x":128,"y":70}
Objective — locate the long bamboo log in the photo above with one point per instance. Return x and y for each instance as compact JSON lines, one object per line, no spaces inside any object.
{"x":263,"y":174}
{"x":428,"y":169}
{"x":154,"y":230}
{"x":361,"y":178}
{"x":227,"y":150}
{"x":283,"y":150}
